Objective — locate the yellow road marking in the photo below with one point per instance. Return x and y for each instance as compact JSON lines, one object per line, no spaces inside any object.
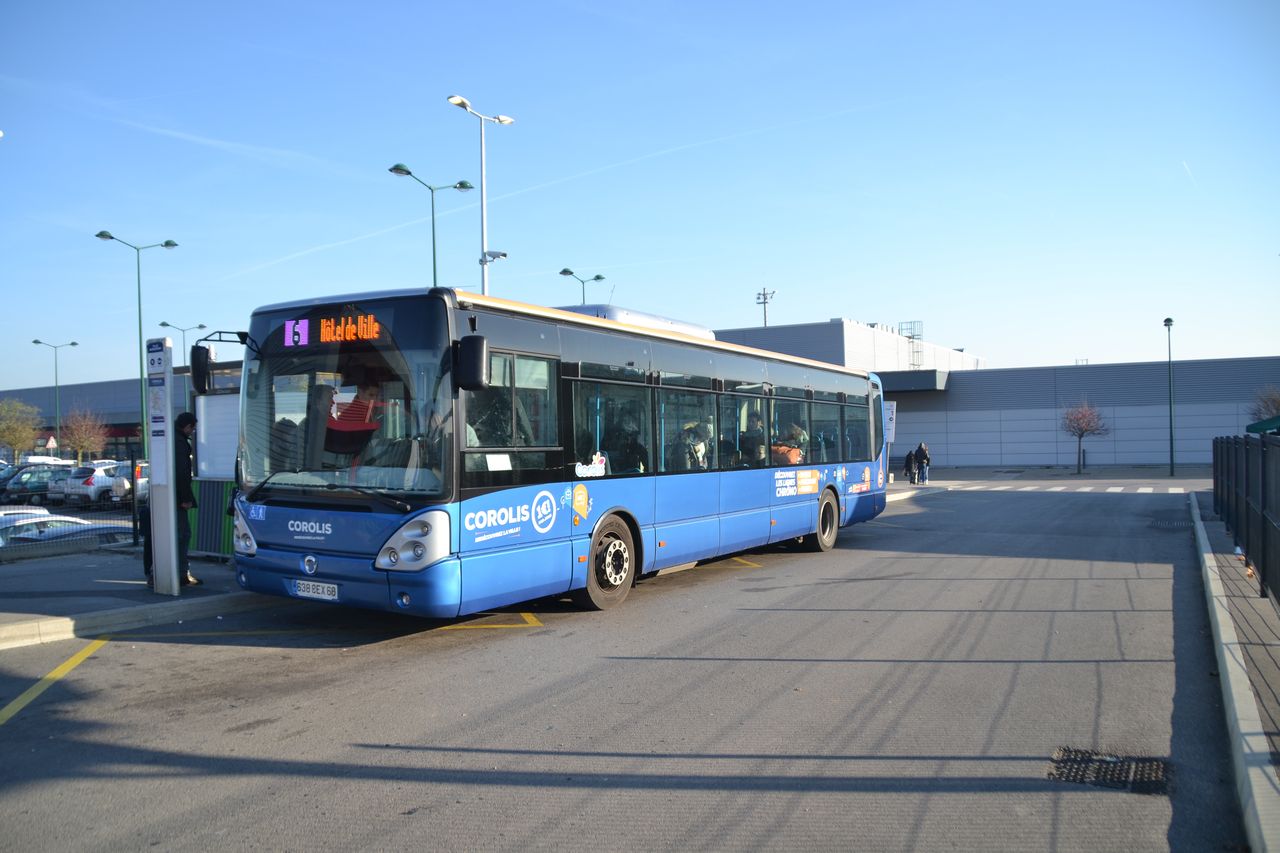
{"x":748,"y":563}
{"x":11,"y":710}
{"x":529,"y":621}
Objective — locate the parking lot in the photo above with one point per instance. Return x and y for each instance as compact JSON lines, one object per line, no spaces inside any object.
{"x":912,"y":689}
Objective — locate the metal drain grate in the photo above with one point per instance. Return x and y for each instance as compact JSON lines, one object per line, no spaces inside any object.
{"x":1106,"y":770}
{"x":1161,"y":524}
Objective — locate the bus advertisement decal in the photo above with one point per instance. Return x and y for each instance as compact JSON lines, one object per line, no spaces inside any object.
{"x":581,"y":501}
{"x":509,"y":520}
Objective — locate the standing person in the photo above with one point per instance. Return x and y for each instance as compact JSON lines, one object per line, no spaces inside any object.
{"x":183,"y":496}
{"x":909,"y":467}
{"x":922,"y":462}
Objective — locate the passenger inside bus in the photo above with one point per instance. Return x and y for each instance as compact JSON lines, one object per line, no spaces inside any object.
{"x":625,"y":453}
{"x":752,"y":441}
{"x":691,"y":451}
{"x":791,"y":446}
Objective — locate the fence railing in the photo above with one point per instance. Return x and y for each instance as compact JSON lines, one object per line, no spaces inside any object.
{"x":1246,"y":496}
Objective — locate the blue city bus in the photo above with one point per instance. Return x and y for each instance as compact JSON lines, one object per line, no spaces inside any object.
{"x":440,"y":453}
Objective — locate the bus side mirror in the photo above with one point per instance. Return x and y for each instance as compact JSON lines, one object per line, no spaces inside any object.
{"x":200,"y":368}
{"x":472,"y":369}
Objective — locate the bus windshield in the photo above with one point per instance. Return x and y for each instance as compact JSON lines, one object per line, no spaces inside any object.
{"x":353,"y":395}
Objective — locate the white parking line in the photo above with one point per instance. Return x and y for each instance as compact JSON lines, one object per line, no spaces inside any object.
{"x":1145,"y":490}
{"x":1056,"y":488}
{"x":1000,"y":488}
{"x":1175,"y":490}
{"x":1029,"y":489}
{"x":1085,"y":489}
{"x":1115,"y":488}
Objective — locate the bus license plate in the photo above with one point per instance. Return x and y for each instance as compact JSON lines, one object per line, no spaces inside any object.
{"x":311,"y":589}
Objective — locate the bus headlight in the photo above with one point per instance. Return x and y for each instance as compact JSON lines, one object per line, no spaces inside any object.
{"x":242,"y":540}
{"x":418,"y":543}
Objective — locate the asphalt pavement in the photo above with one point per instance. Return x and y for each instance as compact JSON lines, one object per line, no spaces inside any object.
{"x":99,"y":592}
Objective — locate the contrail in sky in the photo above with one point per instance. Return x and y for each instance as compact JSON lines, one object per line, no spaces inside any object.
{"x":1189,"y":175}
{"x":618,"y":165}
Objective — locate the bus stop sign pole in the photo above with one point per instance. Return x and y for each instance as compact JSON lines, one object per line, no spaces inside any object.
{"x":164,"y":542}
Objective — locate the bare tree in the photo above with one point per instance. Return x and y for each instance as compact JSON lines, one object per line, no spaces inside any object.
{"x":84,"y":432}
{"x":18,"y":424}
{"x":1266,"y":405}
{"x":1083,"y":420}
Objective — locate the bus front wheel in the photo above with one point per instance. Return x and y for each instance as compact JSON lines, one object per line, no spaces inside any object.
{"x":613,"y":567}
{"x":824,"y":538}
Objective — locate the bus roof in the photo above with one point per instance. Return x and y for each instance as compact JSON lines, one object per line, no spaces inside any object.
{"x":673,"y":333}
{"x":567,"y":316}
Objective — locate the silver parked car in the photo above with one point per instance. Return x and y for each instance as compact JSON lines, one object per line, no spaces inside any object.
{"x":127,"y":482}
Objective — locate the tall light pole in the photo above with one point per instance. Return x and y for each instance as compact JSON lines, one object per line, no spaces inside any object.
{"x":142,"y":364}
{"x":187,"y":378}
{"x":485,"y":257}
{"x":1168,"y":327}
{"x":460,"y":186}
{"x":762,"y":298}
{"x":567,"y":271}
{"x":57,"y":401}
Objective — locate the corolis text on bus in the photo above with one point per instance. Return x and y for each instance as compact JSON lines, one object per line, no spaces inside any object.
{"x":481,"y":519}
{"x":310,"y":527}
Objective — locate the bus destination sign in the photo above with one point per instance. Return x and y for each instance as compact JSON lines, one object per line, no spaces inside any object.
{"x":361,"y":327}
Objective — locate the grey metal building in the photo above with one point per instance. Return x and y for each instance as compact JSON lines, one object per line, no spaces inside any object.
{"x":1014,"y":416}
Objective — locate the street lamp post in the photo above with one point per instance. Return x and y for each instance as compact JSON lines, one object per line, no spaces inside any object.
{"x":142,"y":365}
{"x":460,"y":186}
{"x":1168,"y":327}
{"x":486,"y":257}
{"x":57,"y":401}
{"x":184,"y":331}
{"x":569,"y":272}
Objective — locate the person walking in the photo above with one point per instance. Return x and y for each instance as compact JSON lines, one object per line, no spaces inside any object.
{"x":183,"y":495}
{"x":922,"y":462}
{"x":909,"y":467}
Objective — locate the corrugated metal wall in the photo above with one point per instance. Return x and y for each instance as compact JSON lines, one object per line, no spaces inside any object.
{"x":1013,"y":416}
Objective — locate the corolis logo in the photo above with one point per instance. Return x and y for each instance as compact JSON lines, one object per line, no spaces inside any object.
{"x":310,"y":527}
{"x":542,"y":512}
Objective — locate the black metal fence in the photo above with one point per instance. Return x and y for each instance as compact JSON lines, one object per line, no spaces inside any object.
{"x":1246,"y":496}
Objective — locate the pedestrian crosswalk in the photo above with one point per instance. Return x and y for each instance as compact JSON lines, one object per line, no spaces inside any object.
{"x":1141,"y":490}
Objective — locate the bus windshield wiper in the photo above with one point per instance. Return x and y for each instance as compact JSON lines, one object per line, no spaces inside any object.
{"x":377,"y":494}
{"x":253,"y":493}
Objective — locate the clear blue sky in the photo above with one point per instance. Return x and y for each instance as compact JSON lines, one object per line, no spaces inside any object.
{"x":1037,"y":182}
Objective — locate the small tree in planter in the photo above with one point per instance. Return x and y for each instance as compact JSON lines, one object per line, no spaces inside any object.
{"x":1083,"y":420}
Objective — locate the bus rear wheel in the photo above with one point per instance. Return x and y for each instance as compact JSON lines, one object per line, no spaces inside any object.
{"x":612,"y":569}
{"x":824,"y":538}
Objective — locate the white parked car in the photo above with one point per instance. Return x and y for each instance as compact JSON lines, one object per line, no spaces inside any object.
{"x":91,"y":485}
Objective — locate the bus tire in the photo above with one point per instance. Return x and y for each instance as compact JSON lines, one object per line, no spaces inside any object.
{"x":824,"y":538}
{"x":612,"y":568}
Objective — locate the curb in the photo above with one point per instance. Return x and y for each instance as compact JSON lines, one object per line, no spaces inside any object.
{"x":1250,"y":751}
{"x":53,"y":628}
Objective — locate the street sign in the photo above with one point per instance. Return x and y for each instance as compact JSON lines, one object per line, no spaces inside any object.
{"x":890,"y":420}
{"x":51,"y":443}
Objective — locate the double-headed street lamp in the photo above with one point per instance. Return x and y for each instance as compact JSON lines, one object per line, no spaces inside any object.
{"x":486,"y":257}
{"x":57,"y":402}
{"x":460,"y":186}
{"x":1168,"y":327}
{"x":142,"y":364}
{"x":187,"y":378}
{"x":184,"y":331}
{"x":569,"y":272}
